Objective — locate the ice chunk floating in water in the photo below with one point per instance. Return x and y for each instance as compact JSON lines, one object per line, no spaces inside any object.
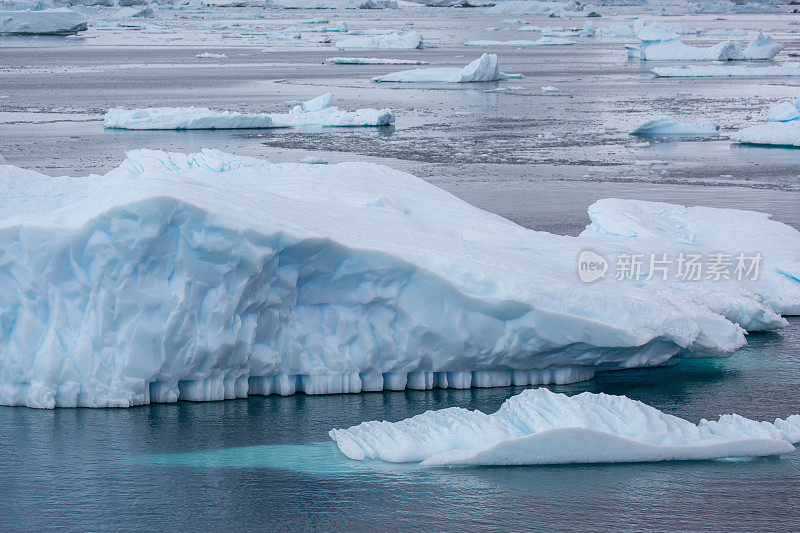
{"x":209,"y":276}
{"x":485,"y":68}
{"x":782,"y":127}
{"x":316,"y":112}
{"x":669,"y":126}
{"x":391,"y":41}
{"x":45,"y":22}
{"x":373,"y":61}
{"x":542,"y":427}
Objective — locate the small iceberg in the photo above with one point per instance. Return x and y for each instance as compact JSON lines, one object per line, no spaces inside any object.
{"x":661,"y":44}
{"x":391,"y":41}
{"x":45,"y":22}
{"x":539,"y":427}
{"x":782,"y":127}
{"x":373,"y":61}
{"x":542,"y":41}
{"x":316,"y":112}
{"x":485,"y":68}
{"x":668,"y":126}
{"x":723,"y":71}
{"x":210,"y":55}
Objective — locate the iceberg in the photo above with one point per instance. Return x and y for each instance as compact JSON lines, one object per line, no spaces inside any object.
{"x":569,"y":9}
{"x":669,"y":126}
{"x":722,"y":71}
{"x":660,"y":44}
{"x":211,"y":276}
{"x":316,"y":112}
{"x":542,"y":41}
{"x":762,"y":48}
{"x":539,"y":427}
{"x":782,"y":127}
{"x":373,"y":61}
{"x":46,"y":22}
{"x":391,"y":41}
{"x":485,"y":68}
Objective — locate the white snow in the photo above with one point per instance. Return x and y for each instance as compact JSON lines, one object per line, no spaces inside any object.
{"x":208,"y":276}
{"x":316,"y":112}
{"x":782,"y":127}
{"x":721,"y":71}
{"x":538,"y":426}
{"x":391,"y":41}
{"x":670,"y":126}
{"x":210,"y":55}
{"x":485,"y":68}
{"x":373,"y":61}
{"x":45,"y":22}
{"x":542,"y":41}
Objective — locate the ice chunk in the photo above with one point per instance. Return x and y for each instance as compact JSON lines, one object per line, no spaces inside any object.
{"x":209,"y":276}
{"x":373,"y":61}
{"x":568,"y":9}
{"x":675,"y":50}
{"x":549,"y":89}
{"x":670,"y":126}
{"x":45,"y":22}
{"x":210,"y":55}
{"x":485,"y":68}
{"x":391,"y":41}
{"x":538,"y":426}
{"x":316,"y":112}
{"x":782,"y":127}
{"x":721,"y":71}
{"x":542,"y":41}
{"x":762,"y":47}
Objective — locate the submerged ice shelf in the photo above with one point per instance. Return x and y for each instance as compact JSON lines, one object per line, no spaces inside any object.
{"x":209,"y":276}
{"x":542,"y":427}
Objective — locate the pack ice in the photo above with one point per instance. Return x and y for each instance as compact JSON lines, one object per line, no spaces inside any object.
{"x":782,"y":127}
{"x":485,"y":68}
{"x":542,"y":427}
{"x":316,"y":112}
{"x":44,"y":22}
{"x":210,"y":276}
{"x":669,"y":126}
{"x":391,"y":41}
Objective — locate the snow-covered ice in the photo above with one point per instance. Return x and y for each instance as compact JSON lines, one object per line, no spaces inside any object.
{"x":761,"y":48}
{"x":373,"y":61}
{"x":567,"y":9}
{"x":538,"y":426}
{"x":210,"y":55}
{"x":782,"y":127}
{"x":316,"y":112}
{"x":391,"y":41}
{"x":485,"y":68}
{"x":670,"y":126}
{"x":542,"y":41}
{"x":44,"y":22}
{"x":722,"y":71}
{"x":210,"y":276}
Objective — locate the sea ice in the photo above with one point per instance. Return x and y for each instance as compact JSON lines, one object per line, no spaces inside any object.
{"x":538,"y":426}
{"x":45,"y":22}
{"x":568,"y":9}
{"x":391,"y":41}
{"x":782,"y":127}
{"x":316,"y":112}
{"x":373,"y":61}
{"x":210,"y":55}
{"x":670,"y":126}
{"x":542,"y":41}
{"x":209,"y":276}
{"x":485,"y":68}
{"x":722,"y":71}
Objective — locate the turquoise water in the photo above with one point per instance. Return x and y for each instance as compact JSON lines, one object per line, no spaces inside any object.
{"x":266,"y":463}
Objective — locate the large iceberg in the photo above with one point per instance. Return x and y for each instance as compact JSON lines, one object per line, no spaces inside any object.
{"x":44,"y":22}
{"x":542,"y":427}
{"x":669,"y":126}
{"x":782,"y":127}
{"x":209,"y":276}
{"x":317,"y":112}
{"x":391,"y":41}
{"x":485,"y":68}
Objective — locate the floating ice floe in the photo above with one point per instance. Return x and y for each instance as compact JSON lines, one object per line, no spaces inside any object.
{"x":568,"y":9}
{"x":392,"y":41}
{"x":722,"y":71}
{"x":542,"y":41}
{"x":373,"y":61}
{"x":762,"y":48}
{"x":782,"y":127}
{"x":549,"y":89}
{"x":210,"y":55}
{"x":538,"y":426}
{"x":485,"y":68}
{"x":45,"y":22}
{"x":669,"y":126}
{"x":317,"y":112}
{"x":210,"y":276}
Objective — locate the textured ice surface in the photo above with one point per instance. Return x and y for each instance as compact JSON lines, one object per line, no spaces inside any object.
{"x":316,"y":112}
{"x":762,"y":48}
{"x":782,"y":127}
{"x":670,"y":126}
{"x":211,"y":276}
{"x":485,"y":68}
{"x":568,"y":9}
{"x":542,"y":427}
{"x":373,"y":61}
{"x":46,"y":22}
{"x":392,"y":41}
{"x":722,"y":71}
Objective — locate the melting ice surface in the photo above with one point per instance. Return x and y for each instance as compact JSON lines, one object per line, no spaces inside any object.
{"x":542,"y":427}
{"x":210,"y":276}
{"x":316,"y":112}
{"x":782,"y":127}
